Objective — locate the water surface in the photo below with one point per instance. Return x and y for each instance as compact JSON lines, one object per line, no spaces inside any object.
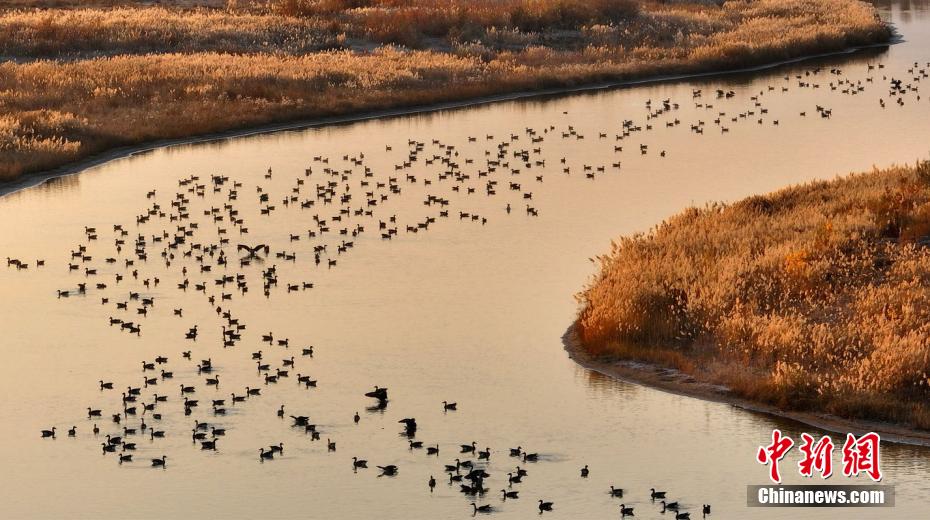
{"x":463,"y":312}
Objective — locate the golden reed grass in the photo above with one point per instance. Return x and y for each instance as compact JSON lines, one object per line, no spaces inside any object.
{"x":80,"y":81}
{"x":815,"y":297}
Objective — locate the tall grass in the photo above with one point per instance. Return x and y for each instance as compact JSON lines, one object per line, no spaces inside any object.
{"x":80,"y":81}
{"x":816,"y":297}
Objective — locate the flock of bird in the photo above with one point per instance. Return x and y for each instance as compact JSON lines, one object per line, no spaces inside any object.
{"x":198,"y":238}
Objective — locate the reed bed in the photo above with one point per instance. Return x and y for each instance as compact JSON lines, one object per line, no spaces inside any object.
{"x":79,"y":81}
{"x":812,"y":298}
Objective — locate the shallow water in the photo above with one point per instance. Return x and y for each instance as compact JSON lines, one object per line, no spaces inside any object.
{"x":462,"y":312}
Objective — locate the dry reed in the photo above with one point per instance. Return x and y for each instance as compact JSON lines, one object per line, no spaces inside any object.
{"x":815,"y":297}
{"x":81,"y":81}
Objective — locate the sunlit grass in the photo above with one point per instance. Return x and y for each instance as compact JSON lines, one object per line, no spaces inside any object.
{"x":815,"y":297}
{"x":82,"y":81}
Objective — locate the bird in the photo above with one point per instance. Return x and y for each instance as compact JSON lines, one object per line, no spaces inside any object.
{"x":584,"y":471}
{"x":510,"y":494}
{"x":481,"y":509}
{"x":448,"y":406}
{"x":544,"y":506}
{"x":357,"y":463}
{"x":616,"y":492}
{"x":671,"y":505}
{"x":160,"y":462}
{"x":49,"y":433}
{"x":431,"y":483}
{"x":656,"y":494}
{"x":626,"y":511}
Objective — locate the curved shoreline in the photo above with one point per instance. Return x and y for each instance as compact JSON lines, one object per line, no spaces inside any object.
{"x":675,"y":382}
{"x":34,"y":179}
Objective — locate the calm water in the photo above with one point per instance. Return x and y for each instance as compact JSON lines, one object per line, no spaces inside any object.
{"x":462,"y":312}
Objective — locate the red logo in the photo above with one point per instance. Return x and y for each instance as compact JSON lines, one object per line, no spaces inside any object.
{"x":860,"y":455}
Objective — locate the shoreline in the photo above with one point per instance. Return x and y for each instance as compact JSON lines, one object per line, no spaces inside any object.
{"x":674,"y":382}
{"x":30,"y":180}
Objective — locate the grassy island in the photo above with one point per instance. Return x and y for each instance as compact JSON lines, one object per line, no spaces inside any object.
{"x":815,"y":298}
{"x":81,"y":77}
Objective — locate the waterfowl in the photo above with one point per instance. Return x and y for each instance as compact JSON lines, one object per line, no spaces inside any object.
{"x":49,"y":433}
{"x":705,"y":509}
{"x":357,"y":418}
{"x":671,"y":505}
{"x":448,"y":406}
{"x":530,"y":457}
{"x":545,"y":506}
{"x":510,"y":494}
{"x":330,"y":445}
{"x":626,"y":511}
{"x":468,"y":448}
{"x":656,"y":494}
{"x":127,"y":457}
{"x":359,"y":463}
{"x":430,"y":450}
{"x":410,"y":425}
{"x":481,"y":509}
{"x":160,"y":462}
{"x":378,"y":393}
{"x":683,"y":516}
{"x":616,"y":492}
{"x":263,"y":455}
{"x":106,"y":385}
{"x":484,"y":455}
{"x":93,"y":413}
{"x":584,"y":471}
{"x":390,"y":470}
{"x":516,"y":452}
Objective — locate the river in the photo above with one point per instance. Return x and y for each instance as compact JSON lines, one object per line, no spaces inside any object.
{"x":464,"y":311}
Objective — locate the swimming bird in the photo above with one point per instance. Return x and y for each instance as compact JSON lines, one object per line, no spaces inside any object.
{"x":510,"y":494}
{"x":616,"y":492}
{"x":626,"y":511}
{"x":356,"y":463}
{"x":160,"y":462}
{"x":544,"y":506}
{"x":657,"y":494}
{"x":671,"y":505}
{"x":584,"y":471}
{"x":481,"y":509}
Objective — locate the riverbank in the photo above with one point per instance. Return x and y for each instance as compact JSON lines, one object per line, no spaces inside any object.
{"x":810,"y":300}
{"x":72,"y":168}
{"x":676,"y":382}
{"x":192,"y":74}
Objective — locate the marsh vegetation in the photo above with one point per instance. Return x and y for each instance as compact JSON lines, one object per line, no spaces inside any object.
{"x":81,"y":80}
{"x":810,"y":298}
